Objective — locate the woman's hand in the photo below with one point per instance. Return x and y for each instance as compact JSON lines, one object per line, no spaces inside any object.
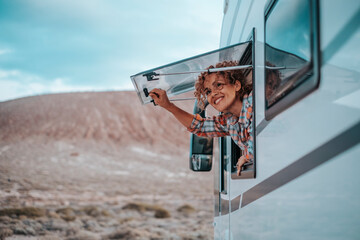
{"x":241,"y":161}
{"x":160,"y":98}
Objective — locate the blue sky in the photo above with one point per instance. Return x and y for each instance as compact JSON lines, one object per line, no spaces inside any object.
{"x":95,"y":45}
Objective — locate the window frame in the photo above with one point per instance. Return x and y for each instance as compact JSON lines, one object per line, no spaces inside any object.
{"x":308,"y":77}
{"x":248,"y":171}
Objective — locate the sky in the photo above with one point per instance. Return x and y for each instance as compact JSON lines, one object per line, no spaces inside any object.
{"x":96,"y":45}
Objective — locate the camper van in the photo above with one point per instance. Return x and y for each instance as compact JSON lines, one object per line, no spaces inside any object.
{"x":303,"y":57}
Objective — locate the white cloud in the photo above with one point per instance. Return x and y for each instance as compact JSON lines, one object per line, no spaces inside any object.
{"x":125,"y":87}
{"x":17,"y":76}
{"x":5,"y":51}
{"x":16,"y":84}
{"x":78,"y":12}
{"x":101,"y":43}
{"x":10,"y":90}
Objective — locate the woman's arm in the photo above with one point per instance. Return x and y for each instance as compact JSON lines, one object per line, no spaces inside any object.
{"x":161,"y":99}
{"x":203,"y":127}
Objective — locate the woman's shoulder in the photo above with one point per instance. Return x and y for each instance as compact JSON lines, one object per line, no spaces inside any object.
{"x":248,"y":98}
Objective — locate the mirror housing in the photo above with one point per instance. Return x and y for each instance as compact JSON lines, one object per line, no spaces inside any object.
{"x":200,"y":162}
{"x":201,"y":148}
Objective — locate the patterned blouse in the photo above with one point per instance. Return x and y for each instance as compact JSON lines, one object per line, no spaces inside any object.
{"x":239,"y":128}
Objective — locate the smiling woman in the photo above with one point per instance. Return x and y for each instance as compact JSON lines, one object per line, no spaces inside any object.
{"x":225,"y":82}
{"x":219,"y":80}
{"x":230,"y":93}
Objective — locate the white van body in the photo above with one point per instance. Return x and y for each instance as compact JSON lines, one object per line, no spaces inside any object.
{"x":307,"y":184}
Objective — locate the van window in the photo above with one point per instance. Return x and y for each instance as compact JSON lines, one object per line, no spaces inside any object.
{"x":291,"y":53}
{"x":179,"y":77}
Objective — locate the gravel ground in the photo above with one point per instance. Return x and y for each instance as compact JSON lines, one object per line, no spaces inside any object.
{"x":70,"y":170}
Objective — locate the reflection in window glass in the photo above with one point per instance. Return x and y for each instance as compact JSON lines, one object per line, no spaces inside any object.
{"x":202,"y":145}
{"x":288,"y":48}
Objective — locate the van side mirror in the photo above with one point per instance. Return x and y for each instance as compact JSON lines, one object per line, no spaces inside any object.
{"x":201,"y":148}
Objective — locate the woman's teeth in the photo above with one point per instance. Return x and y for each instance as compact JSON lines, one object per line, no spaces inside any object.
{"x":218,"y":100}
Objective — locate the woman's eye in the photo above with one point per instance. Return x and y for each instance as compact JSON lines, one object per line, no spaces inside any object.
{"x":207,"y":93}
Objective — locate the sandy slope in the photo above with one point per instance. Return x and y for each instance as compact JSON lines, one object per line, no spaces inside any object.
{"x":102,"y":149}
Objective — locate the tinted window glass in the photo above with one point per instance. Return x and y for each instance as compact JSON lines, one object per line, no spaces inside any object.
{"x":289,"y":48}
{"x":202,"y":145}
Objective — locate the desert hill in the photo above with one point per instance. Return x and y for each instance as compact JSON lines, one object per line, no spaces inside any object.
{"x":96,"y":148}
{"x":108,"y":116}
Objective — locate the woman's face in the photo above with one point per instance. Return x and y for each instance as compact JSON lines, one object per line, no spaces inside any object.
{"x":221,"y":94}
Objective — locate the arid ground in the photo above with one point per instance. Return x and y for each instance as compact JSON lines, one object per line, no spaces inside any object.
{"x":98,"y":166}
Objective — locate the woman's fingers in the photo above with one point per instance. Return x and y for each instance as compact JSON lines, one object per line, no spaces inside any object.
{"x":238,"y":172}
{"x":157,"y":91}
{"x":159,"y":97}
{"x":154,"y":94}
{"x":242,"y":160}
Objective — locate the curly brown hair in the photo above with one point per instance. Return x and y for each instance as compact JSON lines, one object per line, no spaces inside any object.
{"x":230,"y":76}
